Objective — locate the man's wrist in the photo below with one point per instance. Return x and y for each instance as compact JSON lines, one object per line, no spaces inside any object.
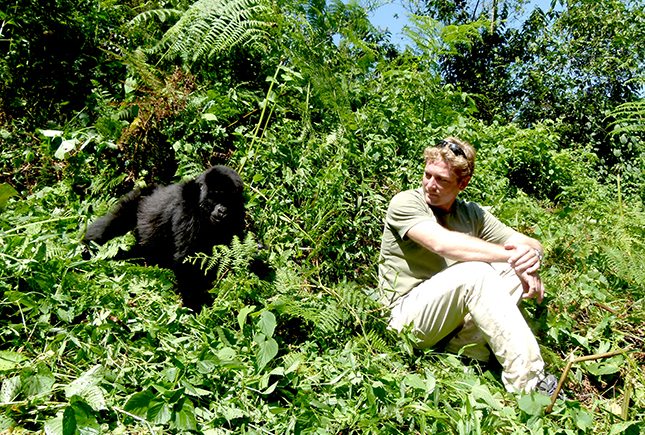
{"x":540,"y":254}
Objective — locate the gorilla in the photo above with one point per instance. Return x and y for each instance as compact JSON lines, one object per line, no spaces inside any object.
{"x":173,"y":222}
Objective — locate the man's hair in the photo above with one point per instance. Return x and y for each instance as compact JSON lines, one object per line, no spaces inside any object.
{"x":462,"y":165}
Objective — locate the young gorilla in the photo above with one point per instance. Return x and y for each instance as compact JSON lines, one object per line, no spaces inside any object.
{"x":177,"y":221}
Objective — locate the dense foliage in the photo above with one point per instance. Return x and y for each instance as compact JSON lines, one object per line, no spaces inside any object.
{"x":325,"y":119}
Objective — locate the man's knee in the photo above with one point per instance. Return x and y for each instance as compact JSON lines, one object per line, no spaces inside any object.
{"x":482,"y":279}
{"x":474,"y":269}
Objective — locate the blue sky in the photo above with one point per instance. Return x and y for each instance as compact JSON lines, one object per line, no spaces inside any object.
{"x":392,"y":16}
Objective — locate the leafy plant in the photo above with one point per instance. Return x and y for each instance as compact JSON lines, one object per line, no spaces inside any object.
{"x":209,"y":27}
{"x":326,"y":125}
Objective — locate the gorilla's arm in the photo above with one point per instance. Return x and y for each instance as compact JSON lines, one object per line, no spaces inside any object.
{"x":121,"y":219}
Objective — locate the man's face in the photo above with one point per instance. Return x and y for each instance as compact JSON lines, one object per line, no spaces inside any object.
{"x":440,"y":185}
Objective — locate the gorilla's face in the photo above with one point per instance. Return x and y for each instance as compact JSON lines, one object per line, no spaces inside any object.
{"x":217,"y":206}
{"x":221,"y":195}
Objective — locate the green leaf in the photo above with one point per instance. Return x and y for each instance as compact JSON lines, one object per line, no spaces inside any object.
{"x":69,"y":421}
{"x":6,"y":192}
{"x":84,"y":419}
{"x":209,"y":117}
{"x":624,"y":428}
{"x":534,"y":403}
{"x":226,"y":354}
{"x":230,"y":411}
{"x":36,"y":383}
{"x":583,"y":419}
{"x":6,"y":423}
{"x":267,"y":323}
{"x":86,"y":387}
{"x":415,"y":381}
{"x":243,"y":314}
{"x":159,"y":412}
{"x":185,"y":416}
{"x":89,"y":378}
{"x":482,"y":393}
{"x":607,"y":367}
{"x":10,"y":389}
{"x":139,"y":403}
{"x":8,"y":359}
{"x":54,"y":426}
{"x":267,"y":350}
{"x":270,"y":388}
{"x":94,"y":396}
{"x":206,"y":366}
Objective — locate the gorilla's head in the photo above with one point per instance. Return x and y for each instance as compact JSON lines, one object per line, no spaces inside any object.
{"x":221,"y":197}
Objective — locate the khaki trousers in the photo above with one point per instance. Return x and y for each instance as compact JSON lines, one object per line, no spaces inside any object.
{"x":482,"y":297}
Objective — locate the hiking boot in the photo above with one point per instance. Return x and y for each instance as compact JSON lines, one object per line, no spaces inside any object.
{"x":547,"y":383}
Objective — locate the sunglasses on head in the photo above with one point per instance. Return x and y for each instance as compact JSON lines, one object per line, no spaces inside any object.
{"x":456,"y":150}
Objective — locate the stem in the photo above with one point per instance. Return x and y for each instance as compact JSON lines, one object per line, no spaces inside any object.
{"x":620,"y":195}
{"x":264,"y":108}
{"x":136,"y":417}
{"x":13,"y":230}
{"x":554,"y":396}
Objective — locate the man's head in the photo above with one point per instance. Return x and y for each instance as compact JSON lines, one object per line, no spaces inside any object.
{"x":449,"y":166}
{"x":458,"y":154}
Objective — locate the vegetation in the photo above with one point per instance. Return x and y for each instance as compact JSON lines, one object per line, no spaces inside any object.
{"x":326,"y":119}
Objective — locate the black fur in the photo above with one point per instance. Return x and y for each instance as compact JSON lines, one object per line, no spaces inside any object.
{"x":176,"y":221}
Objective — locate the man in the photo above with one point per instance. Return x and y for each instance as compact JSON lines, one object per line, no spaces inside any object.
{"x":455,"y":272}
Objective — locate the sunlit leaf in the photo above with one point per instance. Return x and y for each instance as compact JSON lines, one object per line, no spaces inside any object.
{"x":10,"y":389}
{"x":583,"y":419}
{"x":86,"y":386}
{"x":159,"y":412}
{"x":35,"y":383}
{"x":534,"y":403}
{"x":185,"y":416}
{"x":10,"y":360}
{"x":6,"y":192}
{"x":267,"y":323}
{"x":242,"y":315}
{"x":5,"y":423}
{"x":139,"y":403}
{"x":267,"y":350}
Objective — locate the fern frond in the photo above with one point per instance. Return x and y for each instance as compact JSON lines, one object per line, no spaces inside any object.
{"x":146,"y":74}
{"x":209,"y":27}
{"x":223,"y":259}
{"x":375,"y":341}
{"x":630,"y":117}
{"x":160,"y":14}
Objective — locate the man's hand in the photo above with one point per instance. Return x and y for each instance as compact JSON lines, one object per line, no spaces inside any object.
{"x":524,"y":258}
{"x":532,"y":285}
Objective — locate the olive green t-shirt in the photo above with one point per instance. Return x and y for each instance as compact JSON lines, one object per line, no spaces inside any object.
{"x":404,"y":264}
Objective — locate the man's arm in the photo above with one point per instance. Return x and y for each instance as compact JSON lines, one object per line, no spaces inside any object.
{"x":521,"y":252}
{"x":455,"y":245}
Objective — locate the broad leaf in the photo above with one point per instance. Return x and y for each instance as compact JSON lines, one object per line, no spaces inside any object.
{"x":534,"y":403}
{"x":185,"y":416}
{"x":267,"y":350}
{"x":267,"y":323}
{"x":241,"y":317}
{"x":6,"y":192}
{"x":139,"y":403}
{"x":8,"y":359}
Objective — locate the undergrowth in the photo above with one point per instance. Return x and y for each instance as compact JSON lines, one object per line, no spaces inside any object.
{"x":95,"y":345}
{"x":89,"y":344}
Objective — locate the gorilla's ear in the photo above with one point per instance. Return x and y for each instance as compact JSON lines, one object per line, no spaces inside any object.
{"x":191,"y":192}
{"x":223,"y":179}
